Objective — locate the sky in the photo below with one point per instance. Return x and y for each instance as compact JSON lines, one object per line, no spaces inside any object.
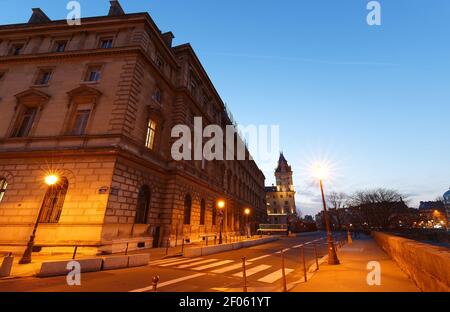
{"x":373,"y":101}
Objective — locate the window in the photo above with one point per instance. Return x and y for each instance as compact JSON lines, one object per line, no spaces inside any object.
{"x":143,"y":205}
{"x":43,"y":77}
{"x":16,"y":49}
{"x":187,"y":209}
{"x":157,"y":95}
{"x":93,"y":74}
{"x":53,"y":202}
{"x":2,"y":74}
{"x":60,"y":46}
{"x":151,"y":134}
{"x":286,"y":203}
{"x":202,"y":212}
{"x":214,"y":216}
{"x":80,"y":122}
{"x":25,"y":122}
{"x":106,"y":43}
{"x":159,"y":62}
{"x":3,"y":186}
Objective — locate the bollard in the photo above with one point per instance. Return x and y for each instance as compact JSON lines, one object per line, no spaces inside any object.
{"x":317,"y":257}
{"x":349,"y":238}
{"x":74,"y":252}
{"x":206,"y":241}
{"x":283,"y":271}
{"x":244,"y":274}
{"x":167,"y":247}
{"x":182,"y":246}
{"x":155,"y":281}
{"x":6,"y":267}
{"x":126,"y":250}
{"x":215,"y":239}
{"x":304,"y":263}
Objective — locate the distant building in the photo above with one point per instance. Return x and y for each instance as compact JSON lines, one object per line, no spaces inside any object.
{"x":447,"y":206}
{"x":280,"y":198}
{"x":432,"y":214}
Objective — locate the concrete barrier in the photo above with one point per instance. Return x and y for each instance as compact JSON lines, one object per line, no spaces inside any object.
{"x":113,"y":263}
{"x":58,"y":268}
{"x":210,"y":250}
{"x":138,"y":260}
{"x":6,"y":267}
{"x":427,"y":265}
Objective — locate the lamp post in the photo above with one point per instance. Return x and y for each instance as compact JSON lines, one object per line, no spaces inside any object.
{"x":50,"y":180}
{"x":320,"y":173}
{"x":221,"y":206}
{"x":247,"y":225}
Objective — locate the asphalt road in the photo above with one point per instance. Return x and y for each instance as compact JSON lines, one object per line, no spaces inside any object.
{"x":220,"y":272}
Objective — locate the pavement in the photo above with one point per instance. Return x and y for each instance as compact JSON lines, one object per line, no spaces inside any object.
{"x":351,"y":274}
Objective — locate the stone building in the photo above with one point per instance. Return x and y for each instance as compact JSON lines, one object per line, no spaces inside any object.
{"x":94,"y":105}
{"x":280,"y":198}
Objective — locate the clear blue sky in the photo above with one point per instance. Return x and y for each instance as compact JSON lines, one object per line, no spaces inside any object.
{"x":373,"y":100}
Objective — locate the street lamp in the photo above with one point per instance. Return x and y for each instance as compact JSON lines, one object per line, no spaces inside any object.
{"x":221,"y":206}
{"x":50,"y":180}
{"x":247,"y":225}
{"x":321,"y":172}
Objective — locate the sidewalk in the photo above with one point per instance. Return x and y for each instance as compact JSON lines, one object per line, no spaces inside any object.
{"x":351,"y":274}
{"x":27,"y":270}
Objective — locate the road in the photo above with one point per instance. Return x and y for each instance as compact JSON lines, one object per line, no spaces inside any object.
{"x":219,"y":272}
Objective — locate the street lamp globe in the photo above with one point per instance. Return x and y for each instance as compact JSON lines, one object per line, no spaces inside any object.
{"x":51,"y":179}
{"x":247,"y":211}
{"x":221,"y":204}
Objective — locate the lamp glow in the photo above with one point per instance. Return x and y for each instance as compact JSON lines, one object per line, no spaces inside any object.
{"x":320,"y":171}
{"x":247,"y":211}
{"x":51,"y":179}
{"x":221,"y":204}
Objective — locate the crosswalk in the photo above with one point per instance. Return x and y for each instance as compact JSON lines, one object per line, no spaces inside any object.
{"x":264,"y":273}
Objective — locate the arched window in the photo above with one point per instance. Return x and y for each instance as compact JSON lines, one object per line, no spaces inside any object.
{"x":187,"y":209}
{"x":3,"y":186}
{"x":202,"y":212}
{"x":214,"y":215}
{"x":53,"y":202}
{"x":143,"y":205}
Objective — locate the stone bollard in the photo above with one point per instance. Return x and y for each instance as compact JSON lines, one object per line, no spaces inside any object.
{"x":5,"y":269}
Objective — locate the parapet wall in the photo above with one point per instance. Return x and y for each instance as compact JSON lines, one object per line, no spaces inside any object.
{"x":427,"y":265}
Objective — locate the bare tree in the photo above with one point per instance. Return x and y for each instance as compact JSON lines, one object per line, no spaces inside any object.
{"x":336,"y":202}
{"x":377,"y":207}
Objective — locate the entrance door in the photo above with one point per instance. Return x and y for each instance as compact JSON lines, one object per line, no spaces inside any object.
{"x":156,"y":235}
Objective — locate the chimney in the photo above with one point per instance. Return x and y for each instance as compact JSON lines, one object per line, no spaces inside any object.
{"x":38,"y":17}
{"x":115,"y":9}
{"x":168,"y":37}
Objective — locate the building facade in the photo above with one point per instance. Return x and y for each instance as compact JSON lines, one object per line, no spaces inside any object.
{"x":447,"y":207}
{"x":94,"y":105}
{"x":280,"y":198}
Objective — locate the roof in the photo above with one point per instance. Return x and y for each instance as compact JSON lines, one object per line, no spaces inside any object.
{"x":431,"y":205}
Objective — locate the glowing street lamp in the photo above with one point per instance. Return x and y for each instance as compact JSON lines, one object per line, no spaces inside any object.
{"x":321,"y":172}
{"x":50,"y":180}
{"x":247,"y":212}
{"x":221,"y":206}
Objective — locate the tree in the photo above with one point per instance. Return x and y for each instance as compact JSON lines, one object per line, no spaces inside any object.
{"x":336,"y":202}
{"x":377,"y":208}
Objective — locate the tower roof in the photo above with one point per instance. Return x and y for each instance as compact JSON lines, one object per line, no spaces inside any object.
{"x":283,"y":165}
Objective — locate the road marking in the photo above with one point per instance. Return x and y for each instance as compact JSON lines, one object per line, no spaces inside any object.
{"x":196,"y":263}
{"x":259,"y":258}
{"x":208,"y":266}
{"x":228,"y":268}
{"x":275,"y":276}
{"x":174,"y":281}
{"x":180,"y":262}
{"x":254,"y":270}
{"x":164,"y":261}
{"x":286,"y":249}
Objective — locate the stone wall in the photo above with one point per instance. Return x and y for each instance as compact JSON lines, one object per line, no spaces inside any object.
{"x":427,"y":265}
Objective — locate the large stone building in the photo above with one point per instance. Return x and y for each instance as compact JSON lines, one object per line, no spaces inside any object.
{"x":280,"y":198}
{"x":94,"y":105}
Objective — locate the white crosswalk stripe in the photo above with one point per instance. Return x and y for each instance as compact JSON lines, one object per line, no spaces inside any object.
{"x":190,"y":265}
{"x":254,"y":270}
{"x":182,"y":261}
{"x":275,"y":276}
{"x":258,"y":258}
{"x":164,"y":261}
{"x":228,"y":268}
{"x":213,"y":265}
